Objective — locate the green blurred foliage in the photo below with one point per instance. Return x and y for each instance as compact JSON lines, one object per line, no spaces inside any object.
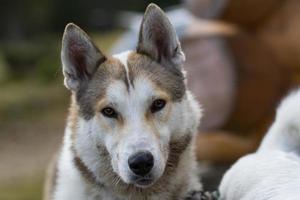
{"x":31,"y":30}
{"x":4,"y":75}
{"x":21,"y":19}
{"x":37,"y":59}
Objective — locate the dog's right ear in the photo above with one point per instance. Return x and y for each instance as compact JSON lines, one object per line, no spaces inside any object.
{"x":80,"y":57}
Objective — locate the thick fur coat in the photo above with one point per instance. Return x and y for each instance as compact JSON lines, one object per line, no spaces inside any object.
{"x":271,"y":173}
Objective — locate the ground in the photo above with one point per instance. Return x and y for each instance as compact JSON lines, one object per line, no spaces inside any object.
{"x":30,"y":135}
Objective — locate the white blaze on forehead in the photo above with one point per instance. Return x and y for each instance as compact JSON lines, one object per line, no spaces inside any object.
{"x":123,"y":58}
{"x":138,"y":98}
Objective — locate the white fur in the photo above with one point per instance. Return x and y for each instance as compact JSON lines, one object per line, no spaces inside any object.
{"x":122,"y":57}
{"x":71,"y":180}
{"x":271,"y":173}
{"x":136,"y":135}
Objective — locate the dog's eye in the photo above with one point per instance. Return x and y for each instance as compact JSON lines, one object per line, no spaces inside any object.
{"x":109,"y":112}
{"x":157,"y":105}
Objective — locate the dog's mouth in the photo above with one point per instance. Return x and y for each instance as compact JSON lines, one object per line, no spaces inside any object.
{"x":143,"y":182}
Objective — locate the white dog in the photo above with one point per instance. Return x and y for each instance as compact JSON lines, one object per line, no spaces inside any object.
{"x":273,"y":172}
{"x":132,"y":122}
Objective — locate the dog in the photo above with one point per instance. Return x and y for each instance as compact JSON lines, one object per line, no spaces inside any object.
{"x":271,"y":173}
{"x":132,"y":121}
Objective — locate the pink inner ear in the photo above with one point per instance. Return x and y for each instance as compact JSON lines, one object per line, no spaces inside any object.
{"x":77,"y":55}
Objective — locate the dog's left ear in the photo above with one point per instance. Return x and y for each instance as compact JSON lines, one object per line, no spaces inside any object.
{"x":158,"y":39}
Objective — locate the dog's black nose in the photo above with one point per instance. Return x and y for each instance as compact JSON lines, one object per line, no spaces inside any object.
{"x":141,"y":163}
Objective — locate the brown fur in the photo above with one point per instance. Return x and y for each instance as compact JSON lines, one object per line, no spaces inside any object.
{"x":88,"y":96}
{"x":168,"y":78}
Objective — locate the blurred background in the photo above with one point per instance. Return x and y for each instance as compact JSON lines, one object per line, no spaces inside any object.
{"x":243,"y":56}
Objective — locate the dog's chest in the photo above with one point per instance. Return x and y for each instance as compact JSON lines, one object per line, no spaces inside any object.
{"x":94,"y":193}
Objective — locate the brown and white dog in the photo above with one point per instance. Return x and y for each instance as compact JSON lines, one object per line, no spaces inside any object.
{"x":132,"y":122}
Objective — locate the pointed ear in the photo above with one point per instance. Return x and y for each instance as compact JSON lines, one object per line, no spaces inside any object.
{"x":80,"y":57}
{"x":158,"y":38}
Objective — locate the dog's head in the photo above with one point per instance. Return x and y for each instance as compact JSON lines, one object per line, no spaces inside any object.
{"x":132,"y":103}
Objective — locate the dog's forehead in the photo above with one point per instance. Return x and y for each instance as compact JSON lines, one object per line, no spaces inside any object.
{"x":135,"y":87}
{"x":144,"y":91}
{"x":140,"y":69}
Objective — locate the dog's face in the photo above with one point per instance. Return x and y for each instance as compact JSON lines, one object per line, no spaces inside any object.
{"x":131,"y":103}
{"x":135,"y":115}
